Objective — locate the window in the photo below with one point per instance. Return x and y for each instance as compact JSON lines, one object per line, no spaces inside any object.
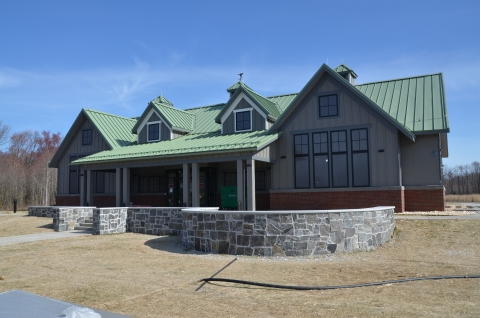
{"x":87,"y":137}
{"x":99,"y":182}
{"x":302,"y":170}
{"x":73,"y":179}
{"x":143,"y":184}
{"x":230,"y":179}
{"x":153,"y":184}
{"x":260,"y":180}
{"x":338,"y":143}
{"x":243,"y":120}
{"x":153,"y":131}
{"x":328,"y":106}
{"x":320,"y":160}
{"x":360,"y":165}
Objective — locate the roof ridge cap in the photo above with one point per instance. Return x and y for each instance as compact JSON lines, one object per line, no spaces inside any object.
{"x":104,"y":113}
{"x":400,"y":78}
{"x":282,"y":95}
{"x":174,"y":108}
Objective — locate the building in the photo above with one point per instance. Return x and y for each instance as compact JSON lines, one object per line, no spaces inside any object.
{"x":332,"y":145}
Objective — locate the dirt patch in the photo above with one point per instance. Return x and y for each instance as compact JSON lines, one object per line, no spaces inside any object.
{"x":151,"y":276}
{"x":21,"y":224}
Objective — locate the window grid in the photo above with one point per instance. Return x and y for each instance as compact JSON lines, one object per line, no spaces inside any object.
{"x":328,"y":106}
{"x":321,"y":164}
{"x":230,"y":178}
{"x":153,"y":131}
{"x":153,"y":184}
{"x":143,"y":184}
{"x":338,"y":146}
{"x":87,"y":137}
{"x":302,"y":166}
{"x":360,"y":158}
{"x":242,"y":119}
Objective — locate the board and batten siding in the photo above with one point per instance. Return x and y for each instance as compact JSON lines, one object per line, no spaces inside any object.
{"x":421,"y":161}
{"x":258,"y":121}
{"x":164,"y":130}
{"x":353,"y":113}
{"x":75,"y":148}
{"x":268,"y":152}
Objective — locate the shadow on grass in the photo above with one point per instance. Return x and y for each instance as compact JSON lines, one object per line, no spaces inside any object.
{"x":170,"y":244}
{"x":46,"y":226}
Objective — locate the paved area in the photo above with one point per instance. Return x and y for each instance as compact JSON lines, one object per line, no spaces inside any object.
{"x":9,"y":240}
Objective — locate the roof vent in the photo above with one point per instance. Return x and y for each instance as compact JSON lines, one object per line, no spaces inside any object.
{"x":347,"y":73}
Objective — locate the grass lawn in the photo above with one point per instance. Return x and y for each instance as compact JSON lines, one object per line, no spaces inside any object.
{"x":151,"y":276}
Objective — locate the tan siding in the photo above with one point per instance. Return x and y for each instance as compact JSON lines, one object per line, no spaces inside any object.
{"x":76,"y":148}
{"x":419,"y":165}
{"x":352,"y":112}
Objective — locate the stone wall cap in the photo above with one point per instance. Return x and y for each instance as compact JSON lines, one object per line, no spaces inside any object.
{"x":212,"y":210}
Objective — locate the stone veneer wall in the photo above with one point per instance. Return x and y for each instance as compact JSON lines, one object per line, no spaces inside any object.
{"x":290,"y":233}
{"x":157,"y":221}
{"x":65,"y":218}
{"x":109,"y":221}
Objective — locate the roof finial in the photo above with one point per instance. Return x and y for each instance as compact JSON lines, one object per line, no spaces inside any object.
{"x":241,"y":76}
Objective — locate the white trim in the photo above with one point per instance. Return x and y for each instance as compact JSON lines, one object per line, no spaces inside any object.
{"x":235,"y":111}
{"x":235,"y":103}
{"x":145,"y":120}
{"x":159,"y":130}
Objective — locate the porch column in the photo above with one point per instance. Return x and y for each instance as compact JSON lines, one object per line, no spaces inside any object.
{"x":251,"y":185}
{"x":83,"y":175}
{"x":195,"y":185}
{"x":186,"y":184}
{"x":118,"y":187}
{"x":126,"y":187}
{"x":89,"y":187}
{"x":240,"y":186}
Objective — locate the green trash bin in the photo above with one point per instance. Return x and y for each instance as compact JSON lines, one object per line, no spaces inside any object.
{"x":229,"y":197}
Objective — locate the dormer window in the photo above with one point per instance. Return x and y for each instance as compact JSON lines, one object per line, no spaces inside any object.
{"x":243,"y":119}
{"x":153,"y":131}
{"x":87,"y":137}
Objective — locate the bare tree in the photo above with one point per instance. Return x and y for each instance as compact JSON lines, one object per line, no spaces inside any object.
{"x":4,"y":133}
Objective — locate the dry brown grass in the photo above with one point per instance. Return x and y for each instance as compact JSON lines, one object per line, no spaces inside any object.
{"x":151,"y":276}
{"x":462,"y":197}
{"x":20,"y":224}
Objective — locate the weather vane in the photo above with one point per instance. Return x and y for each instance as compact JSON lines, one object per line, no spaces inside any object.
{"x":241,"y":75}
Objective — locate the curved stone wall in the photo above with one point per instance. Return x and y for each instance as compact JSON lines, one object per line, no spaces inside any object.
{"x":290,"y":233}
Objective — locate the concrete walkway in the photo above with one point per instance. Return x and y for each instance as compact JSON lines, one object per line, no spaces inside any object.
{"x":9,"y":240}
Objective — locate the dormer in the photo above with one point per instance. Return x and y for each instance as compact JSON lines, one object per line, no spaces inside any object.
{"x":246,"y":111}
{"x":162,"y":121}
{"x":347,"y":73}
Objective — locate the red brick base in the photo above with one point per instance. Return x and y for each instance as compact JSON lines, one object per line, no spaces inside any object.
{"x":104,"y":201}
{"x":149,"y":200}
{"x":425,"y":200}
{"x":70,"y":200}
{"x":337,"y":200}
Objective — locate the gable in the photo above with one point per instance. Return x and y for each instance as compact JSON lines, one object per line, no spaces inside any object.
{"x":258,"y":120}
{"x":153,"y":117}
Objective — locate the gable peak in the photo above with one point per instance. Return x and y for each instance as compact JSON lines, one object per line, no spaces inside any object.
{"x":162,"y":100}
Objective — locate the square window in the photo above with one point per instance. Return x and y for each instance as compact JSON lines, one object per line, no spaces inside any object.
{"x":87,"y":137}
{"x":328,"y":106}
{"x":153,"y":131}
{"x":242,"y":120}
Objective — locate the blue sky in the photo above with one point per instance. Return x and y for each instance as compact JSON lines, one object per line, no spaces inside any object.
{"x":57,"y":57}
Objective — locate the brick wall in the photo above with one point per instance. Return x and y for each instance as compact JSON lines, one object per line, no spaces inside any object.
{"x":71,"y":200}
{"x":337,"y":200}
{"x":104,"y":201}
{"x":425,"y":200}
{"x":149,"y":200}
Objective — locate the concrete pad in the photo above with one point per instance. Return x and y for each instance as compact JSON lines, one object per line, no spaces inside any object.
{"x":9,"y":240}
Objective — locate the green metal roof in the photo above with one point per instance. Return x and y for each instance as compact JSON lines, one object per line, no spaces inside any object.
{"x":204,"y":120}
{"x":342,"y":68}
{"x":162,"y":100}
{"x":188,"y":144}
{"x":175,"y":117}
{"x":116,"y":130}
{"x":418,"y":103}
{"x":283,"y":101}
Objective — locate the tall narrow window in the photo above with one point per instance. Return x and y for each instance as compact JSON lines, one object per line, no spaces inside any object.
{"x":360,"y":164}
{"x":143,"y":184}
{"x":153,"y":131}
{"x":153,"y":184}
{"x":243,"y":120}
{"x":260,"y":180}
{"x":87,"y":137}
{"x":73,"y":179}
{"x":99,"y":182}
{"x":320,"y":160}
{"x":302,"y":170}
{"x":338,"y":143}
{"x":328,"y":106}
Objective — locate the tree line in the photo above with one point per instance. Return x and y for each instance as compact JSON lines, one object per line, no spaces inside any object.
{"x":24,"y":172}
{"x":462,"y":179}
